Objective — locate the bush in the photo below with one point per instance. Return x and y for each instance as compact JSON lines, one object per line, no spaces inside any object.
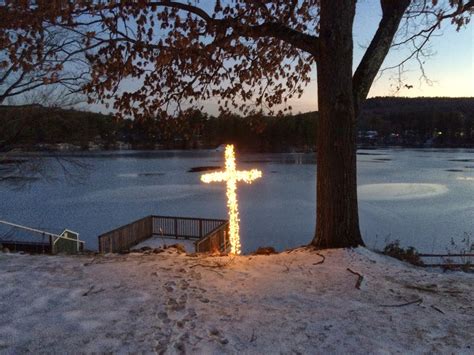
{"x":409,"y":254}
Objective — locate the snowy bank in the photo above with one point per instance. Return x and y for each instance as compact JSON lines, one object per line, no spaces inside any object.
{"x":284,"y":303}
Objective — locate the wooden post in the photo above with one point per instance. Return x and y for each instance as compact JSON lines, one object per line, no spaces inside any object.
{"x":51,"y":244}
{"x":225,"y":240}
{"x":200,"y":228}
{"x":176,"y":227}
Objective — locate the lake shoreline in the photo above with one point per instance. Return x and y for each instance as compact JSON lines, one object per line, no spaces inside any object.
{"x":107,"y":152}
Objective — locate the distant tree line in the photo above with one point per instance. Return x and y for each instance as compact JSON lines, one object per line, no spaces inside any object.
{"x":438,"y":122}
{"x":35,"y":126}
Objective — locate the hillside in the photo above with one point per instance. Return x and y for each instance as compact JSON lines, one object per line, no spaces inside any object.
{"x":32,"y":125}
{"x":412,"y":122}
{"x":420,"y":104}
{"x":299,"y":301}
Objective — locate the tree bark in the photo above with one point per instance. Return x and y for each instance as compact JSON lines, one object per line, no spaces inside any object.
{"x":337,"y":219}
{"x":392,"y":13}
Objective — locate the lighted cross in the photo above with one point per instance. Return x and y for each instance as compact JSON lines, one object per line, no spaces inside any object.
{"x":231,"y":175}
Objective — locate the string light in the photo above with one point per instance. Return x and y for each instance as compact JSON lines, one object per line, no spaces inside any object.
{"x":231,"y":176}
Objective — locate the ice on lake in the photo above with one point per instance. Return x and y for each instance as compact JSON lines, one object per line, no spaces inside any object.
{"x":399,"y":191}
{"x":420,"y":197}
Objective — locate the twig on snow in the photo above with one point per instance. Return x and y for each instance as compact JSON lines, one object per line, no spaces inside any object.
{"x":320,"y":261}
{"x":359,"y":279}
{"x":215,"y":265}
{"x":422,"y":288}
{"x":98,"y":291}
{"x":204,"y":265}
{"x":417,"y":301}
{"x":437,"y":309}
{"x":88,"y":291}
{"x":253,"y":337}
{"x":90,"y":262}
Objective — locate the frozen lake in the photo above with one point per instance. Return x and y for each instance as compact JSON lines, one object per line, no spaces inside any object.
{"x":424,"y":198}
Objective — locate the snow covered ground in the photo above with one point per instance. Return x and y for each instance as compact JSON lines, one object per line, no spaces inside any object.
{"x":284,"y":303}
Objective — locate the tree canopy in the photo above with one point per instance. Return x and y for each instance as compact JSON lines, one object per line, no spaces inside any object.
{"x":248,"y":54}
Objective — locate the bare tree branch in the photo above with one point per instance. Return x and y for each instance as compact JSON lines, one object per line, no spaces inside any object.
{"x":425,"y":15}
{"x":392,"y":13}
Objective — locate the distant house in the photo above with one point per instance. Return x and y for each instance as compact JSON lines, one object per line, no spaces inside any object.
{"x":67,"y":147}
{"x":122,"y":145}
{"x":220,"y":148}
{"x":367,"y":137}
{"x":371,"y":135}
{"x":94,"y":146}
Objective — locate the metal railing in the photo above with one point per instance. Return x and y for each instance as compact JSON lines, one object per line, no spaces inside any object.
{"x":68,"y":241}
{"x":207,"y":233}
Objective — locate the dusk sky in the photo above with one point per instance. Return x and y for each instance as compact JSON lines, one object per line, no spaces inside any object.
{"x":450,"y":69}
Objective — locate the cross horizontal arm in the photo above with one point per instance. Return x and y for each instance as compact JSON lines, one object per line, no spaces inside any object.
{"x":217,"y":176}
{"x":248,"y":176}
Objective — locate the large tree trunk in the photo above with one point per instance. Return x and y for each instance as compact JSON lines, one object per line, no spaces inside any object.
{"x":337,"y":223}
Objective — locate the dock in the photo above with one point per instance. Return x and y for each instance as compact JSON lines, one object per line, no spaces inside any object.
{"x":208,"y":235}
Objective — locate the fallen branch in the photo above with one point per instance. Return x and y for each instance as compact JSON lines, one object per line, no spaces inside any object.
{"x":98,"y":291}
{"x":292,"y":250}
{"x":211,"y":267}
{"x":88,"y":291}
{"x":452,"y":292}
{"x":215,"y":265}
{"x":417,"y":301}
{"x":90,"y":262}
{"x":422,"y":288}
{"x":320,"y":261}
{"x":437,"y":309}
{"x":359,"y":279}
{"x":208,"y":265}
{"x":431,"y":290}
{"x":253,"y":337}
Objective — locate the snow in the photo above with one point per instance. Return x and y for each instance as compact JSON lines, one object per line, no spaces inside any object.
{"x":139,"y":193}
{"x":284,"y":303}
{"x":465,"y":178}
{"x":159,"y":242}
{"x":400,"y":191}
